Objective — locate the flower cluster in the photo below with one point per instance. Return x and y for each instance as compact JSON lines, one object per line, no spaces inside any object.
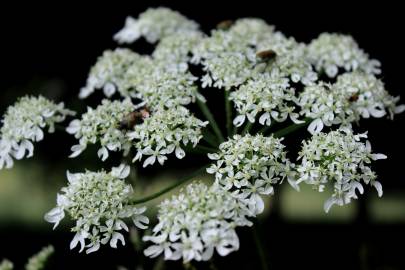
{"x":38,"y":261}
{"x":354,"y":96}
{"x":231,"y":56}
{"x":102,"y":125}
{"x":341,"y":159}
{"x":98,"y":202}
{"x":267,"y":94}
{"x":154,"y":24}
{"x":196,"y":222}
{"x":331,"y":52}
{"x":250,"y":166}
{"x":110,"y":73}
{"x":6,"y":265}
{"x":161,"y":82}
{"x":165,"y":132}
{"x":24,"y":123}
{"x":177,"y":48}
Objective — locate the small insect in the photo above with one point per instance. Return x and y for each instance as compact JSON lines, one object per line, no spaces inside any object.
{"x":134,"y":118}
{"x":266,"y":55}
{"x":225,"y":25}
{"x":354,"y":98}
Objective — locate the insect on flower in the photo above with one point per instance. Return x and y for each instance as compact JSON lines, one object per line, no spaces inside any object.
{"x":134,"y":118}
{"x":224,"y":25}
{"x":354,"y":98}
{"x":266,"y":55}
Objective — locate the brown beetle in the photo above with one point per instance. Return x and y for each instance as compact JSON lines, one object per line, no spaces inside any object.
{"x":266,"y":55}
{"x":225,"y":25}
{"x":134,"y":118}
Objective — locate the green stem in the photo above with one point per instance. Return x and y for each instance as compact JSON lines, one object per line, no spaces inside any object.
{"x":206,"y":149}
{"x":287,"y":130}
{"x":264,"y":129}
{"x":210,"y":138}
{"x":247,"y":128}
{"x":228,"y":110}
{"x":171,"y":187}
{"x":259,"y":247}
{"x":207,"y":113}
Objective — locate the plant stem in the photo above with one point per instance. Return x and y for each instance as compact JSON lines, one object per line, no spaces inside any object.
{"x":210,"y":138}
{"x":206,"y":149}
{"x":228,"y":110}
{"x":247,"y":128}
{"x":287,"y":130}
{"x":264,"y":129}
{"x":259,"y":247}
{"x":171,"y":187}
{"x":207,"y":113}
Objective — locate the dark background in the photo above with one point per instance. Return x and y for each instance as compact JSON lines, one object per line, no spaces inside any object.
{"x":50,"y":48}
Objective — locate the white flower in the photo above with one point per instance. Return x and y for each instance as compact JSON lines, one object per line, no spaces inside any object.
{"x":98,"y":202}
{"x":154,"y":24}
{"x":342,"y":159}
{"x":111,"y":72}
{"x":24,"y":124}
{"x":329,"y":52}
{"x":196,"y":222}
{"x":249,"y":166}
{"x":268,"y":94}
{"x":37,"y":262}
{"x":102,"y":125}
{"x":355,"y":95}
{"x":164,"y":132}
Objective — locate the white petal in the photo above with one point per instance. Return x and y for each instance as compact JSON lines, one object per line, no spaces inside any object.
{"x":316,"y":126}
{"x":378,"y":156}
{"x":149,"y":161}
{"x":265,"y":119}
{"x":180,"y":152}
{"x":399,"y":109}
{"x":102,"y":153}
{"x":378,"y":187}
{"x":239,"y":120}
{"x":115,"y":238}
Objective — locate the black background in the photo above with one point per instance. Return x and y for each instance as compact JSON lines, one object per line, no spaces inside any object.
{"x":60,"y":43}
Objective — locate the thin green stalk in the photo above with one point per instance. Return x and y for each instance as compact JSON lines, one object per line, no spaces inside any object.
{"x":210,"y":138}
{"x":206,"y":149}
{"x":207,"y":113}
{"x":265,"y":128}
{"x":259,"y":247}
{"x":228,"y":110}
{"x":287,"y":130}
{"x":247,"y":128}
{"x":171,"y":187}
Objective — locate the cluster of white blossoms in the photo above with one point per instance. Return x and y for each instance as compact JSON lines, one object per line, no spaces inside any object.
{"x":340,"y":159}
{"x":177,"y":48}
{"x":154,"y":24}
{"x":331,"y":52}
{"x":98,"y":202}
{"x":102,"y":125}
{"x":110,"y":73}
{"x":266,"y":76}
{"x":24,"y":124}
{"x":249,"y":166}
{"x":232,"y":55}
{"x":157,"y":83}
{"x":353,"y":96}
{"x":196,"y":222}
{"x":165,"y":132}
{"x":266,"y":94}
{"x":38,"y":261}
